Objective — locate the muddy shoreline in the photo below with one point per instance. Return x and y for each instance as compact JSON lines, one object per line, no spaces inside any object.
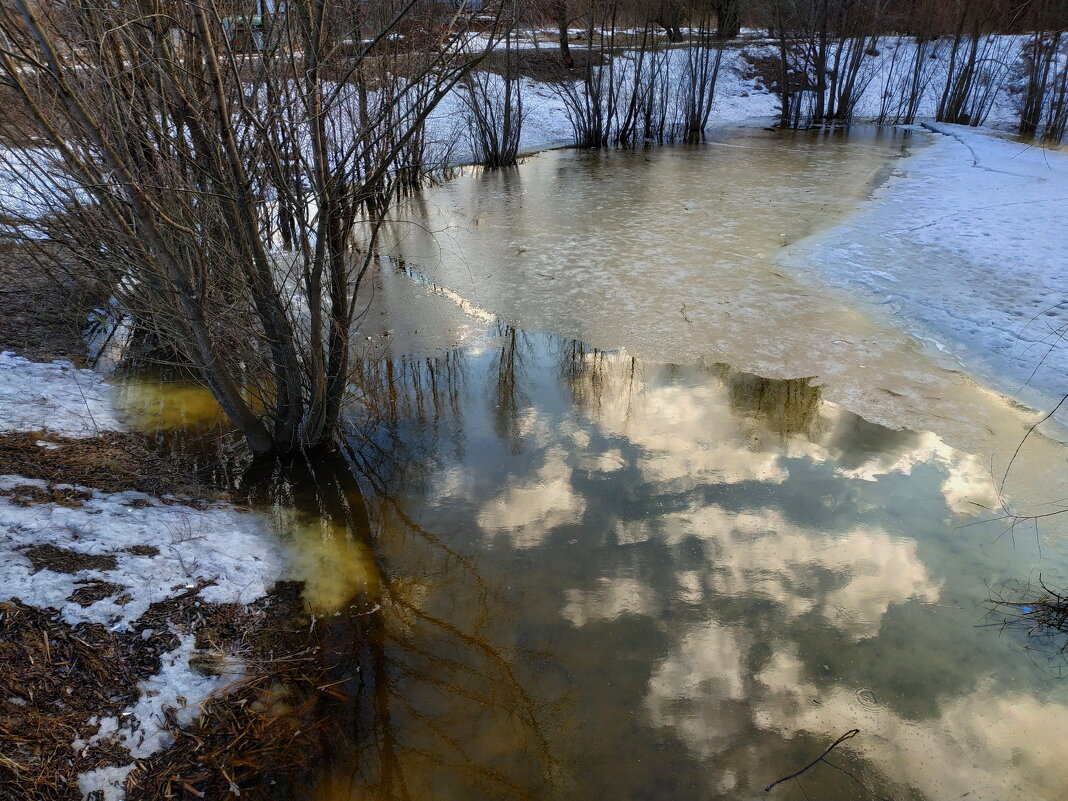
{"x":74,"y":673}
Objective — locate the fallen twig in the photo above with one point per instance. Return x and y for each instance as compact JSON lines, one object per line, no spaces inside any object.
{"x":848,"y":735}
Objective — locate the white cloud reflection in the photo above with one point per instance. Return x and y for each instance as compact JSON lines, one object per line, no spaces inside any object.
{"x":731,"y":427}
{"x":686,"y":435}
{"x":528,"y":509}
{"x":765,"y":554}
{"x":985,"y":744}
{"x":608,"y":600}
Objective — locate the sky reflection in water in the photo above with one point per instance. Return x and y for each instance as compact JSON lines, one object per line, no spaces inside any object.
{"x":644,"y":581}
{"x":610,"y":578}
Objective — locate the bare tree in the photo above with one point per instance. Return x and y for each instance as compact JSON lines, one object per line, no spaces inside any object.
{"x":698,"y":86}
{"x":494,"y":102}
{"x":1045,"y":62}
{"x":729,"y":18}
{"x":978,"y":62}
{"x":224,"y":174}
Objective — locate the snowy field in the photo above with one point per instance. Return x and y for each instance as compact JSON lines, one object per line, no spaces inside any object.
{"x":741,"y":96}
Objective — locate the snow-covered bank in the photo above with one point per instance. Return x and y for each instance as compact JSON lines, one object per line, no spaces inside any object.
{"x":547,"y":119}
{"x":91,"y":557}
{"x":965,"y":245}
{"x":54,"y":396}
{"x":892,"y":70}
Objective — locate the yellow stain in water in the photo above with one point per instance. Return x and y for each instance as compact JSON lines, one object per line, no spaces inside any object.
{"x":335,"y":567}
{"x":169,"y":405}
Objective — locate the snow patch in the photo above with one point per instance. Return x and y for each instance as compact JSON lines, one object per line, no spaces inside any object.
{"x":54,"y":396}
{"x":234,"y":550}
{"x":966,"y":246}
{"x":107,"y":780}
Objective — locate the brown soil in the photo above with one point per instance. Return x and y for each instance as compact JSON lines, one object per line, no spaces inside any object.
{"x":111,"y":462}
{"x":41,"y":315}
{"x":768,"y":70}
{"x":544,"y":65}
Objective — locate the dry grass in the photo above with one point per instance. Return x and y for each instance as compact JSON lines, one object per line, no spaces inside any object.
{"x":31,"y":495}
{"x":261,"y":731}
{"x":53,"y":679}
{"x":1039,"y":611}
{"x":268,"y":727}
{"x":265,"y":728}
{"x":93,"y":590}
{"x":60,"y":560}
{"x":110,"y":462}
{"x":41,"y":315}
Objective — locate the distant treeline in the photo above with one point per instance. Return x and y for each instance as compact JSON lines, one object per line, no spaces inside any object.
{"x":948,"y":59}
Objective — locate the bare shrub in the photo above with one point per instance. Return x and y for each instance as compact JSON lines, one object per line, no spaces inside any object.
{"x":228,"y":193}
{"x":494,"y":104}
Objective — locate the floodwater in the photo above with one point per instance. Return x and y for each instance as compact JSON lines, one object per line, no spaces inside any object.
{"x":606,"y":578}
{"x":653,"y":518}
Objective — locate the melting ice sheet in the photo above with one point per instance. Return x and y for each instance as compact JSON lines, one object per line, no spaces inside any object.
{"x":966,"y":244}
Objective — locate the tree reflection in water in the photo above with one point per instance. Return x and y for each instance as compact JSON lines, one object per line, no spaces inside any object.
{"x":430,"y":687}
{"x":585,"y":576}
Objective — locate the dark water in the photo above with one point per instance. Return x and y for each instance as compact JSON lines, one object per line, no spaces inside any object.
{"x":596,"y":576}
{"x":602,"y":578}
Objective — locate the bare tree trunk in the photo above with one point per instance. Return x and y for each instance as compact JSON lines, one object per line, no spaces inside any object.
{"x":563,"y":20}
{"x":819,"y":62}
{"x":785,"y":94}
{"x":729,"y":18}
{"x":1041,"y":57}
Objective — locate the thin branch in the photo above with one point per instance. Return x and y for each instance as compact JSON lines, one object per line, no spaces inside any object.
{"x":847,"y":736}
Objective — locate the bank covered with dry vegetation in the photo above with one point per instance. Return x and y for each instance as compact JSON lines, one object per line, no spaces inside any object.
{"x":148,"y":648}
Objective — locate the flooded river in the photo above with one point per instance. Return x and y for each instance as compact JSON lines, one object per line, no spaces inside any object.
{"x":655,"y":518}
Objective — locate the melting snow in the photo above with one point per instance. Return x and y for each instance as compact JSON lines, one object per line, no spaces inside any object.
{"x":55,"y":396}
{"x":160,"y":550}
{"x":230,"y":548}
{"x":966,"y":246}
